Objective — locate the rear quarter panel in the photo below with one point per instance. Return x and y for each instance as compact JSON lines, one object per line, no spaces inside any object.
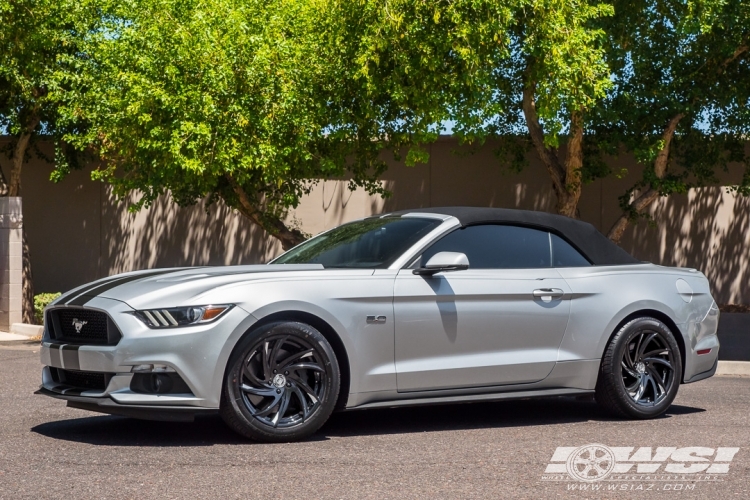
{"x":603,"y":297}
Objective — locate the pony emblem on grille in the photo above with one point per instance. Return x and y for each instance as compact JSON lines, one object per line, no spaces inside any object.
{"x":78,"y":324}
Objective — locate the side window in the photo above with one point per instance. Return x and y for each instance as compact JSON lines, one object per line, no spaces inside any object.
{"x":564,"y":255}
{"x":496,"y":247}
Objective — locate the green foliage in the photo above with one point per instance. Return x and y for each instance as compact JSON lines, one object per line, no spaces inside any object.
{"x":561,"y":50}
{"x":556,"y":47}
{"x":228,"y":99}
{"x":254,"y":101}
{"x":673,"y":58}
{"x":41,"y":301}
{"x":35,"y":37}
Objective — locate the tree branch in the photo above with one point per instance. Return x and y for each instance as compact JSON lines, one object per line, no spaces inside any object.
{"x":3,"y":184}
{"x":275,"y":227}
{"x":568,"y":204}
{"x":647,"y":197}
{"x":737,"y":53}
{"x":556,"y":171}
{"x":19,"y":155}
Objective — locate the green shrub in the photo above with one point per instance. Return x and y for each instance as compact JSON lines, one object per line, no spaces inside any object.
{"x":40,"y":302}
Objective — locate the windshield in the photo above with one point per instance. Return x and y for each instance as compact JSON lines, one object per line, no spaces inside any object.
{"x":370,"y":243}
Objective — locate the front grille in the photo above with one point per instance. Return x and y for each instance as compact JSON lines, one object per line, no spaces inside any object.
{"x":81,"y":380}
{"x":82,"y":326}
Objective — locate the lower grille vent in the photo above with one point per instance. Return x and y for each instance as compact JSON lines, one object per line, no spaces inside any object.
{"x":90,"y":381}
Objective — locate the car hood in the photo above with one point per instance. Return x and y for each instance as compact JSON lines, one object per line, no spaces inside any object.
{"x":183,"y":286}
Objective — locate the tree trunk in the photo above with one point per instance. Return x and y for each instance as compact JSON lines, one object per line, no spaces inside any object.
{"x":566,"y":177}
{"x":19,"y":155}
{"x":289,"y":238}
{"x":3,"y":184}
{"x":648,"y":196}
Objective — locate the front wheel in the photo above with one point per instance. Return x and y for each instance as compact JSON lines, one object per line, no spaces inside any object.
{"x":640,"y":371}
{"x":281,"y":383}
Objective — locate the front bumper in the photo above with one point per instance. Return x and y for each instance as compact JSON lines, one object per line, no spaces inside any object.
{"x":197,"y":354}
{"x":143,"y":412}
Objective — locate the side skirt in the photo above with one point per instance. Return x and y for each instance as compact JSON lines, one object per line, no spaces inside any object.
{"x":539,"y":393}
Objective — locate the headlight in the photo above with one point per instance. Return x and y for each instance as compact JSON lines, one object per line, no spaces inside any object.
{"x":182,"y":316}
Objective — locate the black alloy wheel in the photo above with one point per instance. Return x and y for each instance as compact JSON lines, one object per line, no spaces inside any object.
{"x":640,"y":371}
{"x":647,"y":368}
{"x":282,"y":383}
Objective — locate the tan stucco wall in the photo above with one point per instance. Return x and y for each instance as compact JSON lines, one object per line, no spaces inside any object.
{"x":77,"y":232}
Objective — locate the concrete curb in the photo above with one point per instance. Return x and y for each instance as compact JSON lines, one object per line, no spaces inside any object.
{"x":12,"y":337}
{"x":733,"y":369}
{"x":26,"y":330}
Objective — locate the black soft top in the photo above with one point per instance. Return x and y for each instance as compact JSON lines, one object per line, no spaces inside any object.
{"x":600,"y":250}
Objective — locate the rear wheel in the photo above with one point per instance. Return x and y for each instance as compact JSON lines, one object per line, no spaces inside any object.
{"x":640,"y":371}
{"x":281,"y":383}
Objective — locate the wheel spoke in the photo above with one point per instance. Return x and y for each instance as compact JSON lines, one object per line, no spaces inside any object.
{"x":265,"y":362}
{"x":637,"y":349}
{"x":275,"y":351}
{"x":660,"y":361}
{"x":282,"y":407}
{"x":265,"y":411}
{"x":630,"y":372}
{"x":655,"y":352}
{"x":302,"y":401}
{"x":641,"y":389}
{"x":258,"y":391}
{"x":658,"y":380}
{"x":306,"y":366}
{"x":631,"y":387}
{"x":248,"y":372}
{"x":645,"y":344}
{"x":627,"y":357}
{"x":653,"y":384}
{"x":302,"y":384}
{"x":294,"y":357}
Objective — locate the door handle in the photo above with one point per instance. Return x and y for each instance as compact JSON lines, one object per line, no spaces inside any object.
{"x":547,"y":294}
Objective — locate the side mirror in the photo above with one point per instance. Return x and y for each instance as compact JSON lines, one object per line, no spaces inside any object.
{"x":444,"y":261}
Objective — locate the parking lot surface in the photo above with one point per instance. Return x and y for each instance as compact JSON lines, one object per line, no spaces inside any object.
{"x":487,"y":450}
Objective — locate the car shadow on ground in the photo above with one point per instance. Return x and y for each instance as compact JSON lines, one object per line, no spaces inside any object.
{"x":210,"y":430}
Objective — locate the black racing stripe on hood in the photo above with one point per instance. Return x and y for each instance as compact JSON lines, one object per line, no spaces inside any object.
{"x":91,"y":293}
{"x":71,"y":295}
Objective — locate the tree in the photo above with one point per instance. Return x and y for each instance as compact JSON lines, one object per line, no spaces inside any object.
{"x":666,"y":81}
{"x":681,"y":95}
{"x":543,"y":91}
{"x":253,"y":102}
{"x":34,"y":35}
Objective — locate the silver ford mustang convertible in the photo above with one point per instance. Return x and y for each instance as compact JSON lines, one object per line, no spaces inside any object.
{"x":426,"y":306}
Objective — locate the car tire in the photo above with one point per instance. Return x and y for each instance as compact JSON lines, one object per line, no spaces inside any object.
{"x":281,"y":384}
{"x":640,"y":371}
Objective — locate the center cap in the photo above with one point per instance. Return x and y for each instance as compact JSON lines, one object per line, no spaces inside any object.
{"x":640,"y":367}
{"x":279,"y":380}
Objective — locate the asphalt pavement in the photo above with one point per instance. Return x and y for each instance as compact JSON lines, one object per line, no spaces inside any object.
{"x":487,"y":450}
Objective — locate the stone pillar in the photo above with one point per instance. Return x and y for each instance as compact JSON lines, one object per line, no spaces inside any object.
{"x":11,"y":261}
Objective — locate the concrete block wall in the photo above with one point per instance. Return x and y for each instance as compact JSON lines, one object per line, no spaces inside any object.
{"x":11,"y":227}
{"x":78,"y":231}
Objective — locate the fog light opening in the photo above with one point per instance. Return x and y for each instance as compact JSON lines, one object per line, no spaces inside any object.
{"x":160,"y":384}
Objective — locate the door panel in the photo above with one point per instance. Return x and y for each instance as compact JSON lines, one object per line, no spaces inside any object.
{"x":478,"y":327}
